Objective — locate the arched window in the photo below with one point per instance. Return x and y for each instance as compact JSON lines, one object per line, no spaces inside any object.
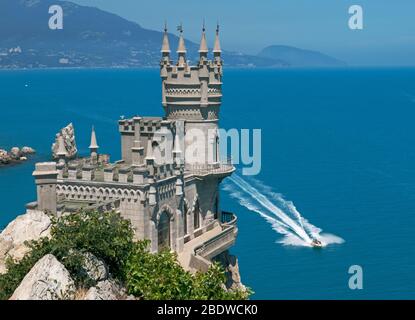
{"x":155,"y":151}
{"x":216,"y":208}
{"x":216,"y":148}
{"x":196,"y":216}
{"x":164,"y":231}
{"x":185,"y":218}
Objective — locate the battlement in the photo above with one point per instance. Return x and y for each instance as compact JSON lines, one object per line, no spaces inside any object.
{"x":126,"y":125}
{"x":192,"y":87}
{"x":117,"y":173}
{"x":144,"y":124}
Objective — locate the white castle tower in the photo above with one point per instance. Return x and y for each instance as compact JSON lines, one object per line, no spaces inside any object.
{"x":194,"y":94}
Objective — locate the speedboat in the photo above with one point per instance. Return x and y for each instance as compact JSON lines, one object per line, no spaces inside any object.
{"x":316,"y":243}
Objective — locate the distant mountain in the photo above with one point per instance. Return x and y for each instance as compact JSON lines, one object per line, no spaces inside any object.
{"x":90,"y":38}
{"x":95,"y":38}
{"x":299,"y":57}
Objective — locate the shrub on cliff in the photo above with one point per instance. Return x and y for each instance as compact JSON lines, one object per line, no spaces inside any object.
{"x":110,"y":238}
{"x":106,"y":236}
{"x":160,"y":277}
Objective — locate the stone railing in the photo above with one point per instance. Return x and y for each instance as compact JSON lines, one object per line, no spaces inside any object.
{"x":202,"y":169}
{"x":217,"y":244}
{"x":222,"y":241}
{"x":228,"y":218}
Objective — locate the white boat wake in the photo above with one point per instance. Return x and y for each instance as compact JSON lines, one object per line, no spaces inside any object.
{"x":280,"y":213}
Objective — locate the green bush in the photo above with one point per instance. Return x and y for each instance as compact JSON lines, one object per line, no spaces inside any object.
{"x":210,"y":286}
{"x":110,"y":238}
{"x":160,"y":277}
{"x":105,"y":235}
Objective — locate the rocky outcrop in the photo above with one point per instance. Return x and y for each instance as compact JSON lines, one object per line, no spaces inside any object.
{"x":50,"y":280}
{"x":47,"y":280}
{"x":31,"y":226}
{"x":233,"y":277}
{"x":106,"y":287}
{"x":68,"y":135}
{"x":106,"y":290}
{"x":95,"y":268}
{"x":27,"y":150}
{"x":15,"y":155}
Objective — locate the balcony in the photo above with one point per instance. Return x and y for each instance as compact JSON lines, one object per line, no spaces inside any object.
{"x":199,"y":252}
{"x":222,"y":241}
{"x":217,"y":244}
{"x":203,"y":169}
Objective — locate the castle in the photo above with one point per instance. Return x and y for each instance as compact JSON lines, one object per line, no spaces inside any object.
{"x":167,"y":182}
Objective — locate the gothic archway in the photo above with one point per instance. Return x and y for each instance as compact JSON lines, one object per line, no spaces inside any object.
{"x":163,"y":231}
{"x":216,"y":207}
{"x":165,"y":227}
{"x":196,"y":215}
{"x":216,"y":147}
{"x":185,"y":212}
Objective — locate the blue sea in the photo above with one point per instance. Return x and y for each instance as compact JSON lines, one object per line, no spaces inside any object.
{"x":337,"y":143}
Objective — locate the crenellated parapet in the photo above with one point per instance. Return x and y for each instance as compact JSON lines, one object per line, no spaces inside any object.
{"x":132,"y":187}
{"x":118,"y":173}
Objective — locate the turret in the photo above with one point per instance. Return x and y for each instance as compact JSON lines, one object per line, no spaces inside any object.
{"x":152,"y":193}
{"x":93,"y":147}
{"x":150,"y":160}
{"x":137,"y":153}
{"x":181,"y":49}
{"x":203,"y":49}
{"x":203,"y":69}
{"x":216,"y":48}
{"x":61,"y":153}
{"x":164,"y":63}
{"x":165,"y":54}
{"x":217,"y":60}
{"x":165,"y":48}
{"x":46,"y":178}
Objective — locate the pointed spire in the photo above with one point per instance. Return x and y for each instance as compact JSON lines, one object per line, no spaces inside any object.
{"x":216,"y":47}
{"x":93,"y":145}
{"x":181,"y":48}
{"x":165,"y":48}
{"x":203,"y":44}
{"x":61,"y":148}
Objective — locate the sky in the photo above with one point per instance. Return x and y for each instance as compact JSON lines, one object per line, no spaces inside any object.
{"x":387,"y":38}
